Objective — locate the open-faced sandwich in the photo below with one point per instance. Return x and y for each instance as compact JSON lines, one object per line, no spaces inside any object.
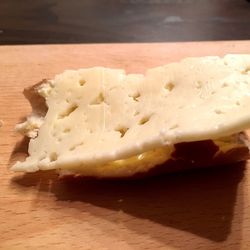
{"x":103,"y":122}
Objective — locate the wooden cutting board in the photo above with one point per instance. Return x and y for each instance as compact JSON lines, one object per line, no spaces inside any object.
{"x":207,"y":209}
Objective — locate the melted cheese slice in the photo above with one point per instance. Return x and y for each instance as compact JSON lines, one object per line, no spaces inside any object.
{"x":97,"y":116}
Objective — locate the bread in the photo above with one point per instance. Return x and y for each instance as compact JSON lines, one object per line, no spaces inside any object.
{"x":105,"y":123}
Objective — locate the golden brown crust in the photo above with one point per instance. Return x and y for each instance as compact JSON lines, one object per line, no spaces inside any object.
{"x":37,"y":102}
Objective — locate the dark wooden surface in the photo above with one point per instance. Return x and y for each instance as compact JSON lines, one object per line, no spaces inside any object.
{"x":101,"y":21}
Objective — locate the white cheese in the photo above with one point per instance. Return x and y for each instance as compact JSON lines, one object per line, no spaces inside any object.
{"x":31,"y":126}
{"x":97,"y":116}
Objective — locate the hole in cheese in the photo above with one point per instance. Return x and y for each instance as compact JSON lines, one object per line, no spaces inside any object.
{"x":98,"y":100}
{"x":169,"y":86}
{"x":198,"y":84}
{"x":122,"y":130}
{"x":135,"y":96}
{"x":67,"y":130}
{"x":82,"y":82}
{"x":53,"y":156}
{"x":218,"y":111}
{"x":247,"y":70}
{"x":75,"y":146}
{"x":174,"y":126}
{"x":68,"y":111}
{"x":144,"y":119}
{"x":136,"y":113}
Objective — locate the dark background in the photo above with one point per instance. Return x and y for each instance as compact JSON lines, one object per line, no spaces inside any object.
{"x":93,"y":21}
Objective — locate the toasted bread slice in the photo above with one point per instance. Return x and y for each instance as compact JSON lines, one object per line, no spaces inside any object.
{"x":105,"y":123}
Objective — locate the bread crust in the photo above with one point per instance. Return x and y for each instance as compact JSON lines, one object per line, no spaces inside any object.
{"x":192,"y":155}
{"x":37,"y":102}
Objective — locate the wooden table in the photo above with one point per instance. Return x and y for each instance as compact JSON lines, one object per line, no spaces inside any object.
{"x":105,"y":21}
{"x":207,"y":209}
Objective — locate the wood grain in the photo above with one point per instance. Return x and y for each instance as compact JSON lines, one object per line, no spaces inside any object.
{"x":207,"y":209}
